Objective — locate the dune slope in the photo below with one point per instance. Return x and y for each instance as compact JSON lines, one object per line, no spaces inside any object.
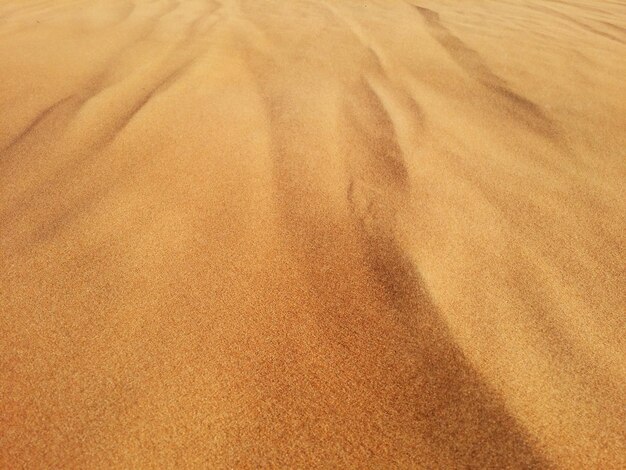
{"x":314,"y":233}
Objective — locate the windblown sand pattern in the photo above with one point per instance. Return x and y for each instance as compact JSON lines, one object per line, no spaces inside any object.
{"x":312,"y":234}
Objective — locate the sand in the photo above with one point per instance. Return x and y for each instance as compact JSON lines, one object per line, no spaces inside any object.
{"x":312,"y":234}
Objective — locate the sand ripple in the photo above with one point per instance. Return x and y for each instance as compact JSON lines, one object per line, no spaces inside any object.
{"x":250,"y":234}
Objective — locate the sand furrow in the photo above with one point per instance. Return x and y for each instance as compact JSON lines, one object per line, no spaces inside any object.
{"x":312,"y":234}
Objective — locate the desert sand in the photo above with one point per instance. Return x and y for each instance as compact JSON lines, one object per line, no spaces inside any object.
{"x":312,"y":234}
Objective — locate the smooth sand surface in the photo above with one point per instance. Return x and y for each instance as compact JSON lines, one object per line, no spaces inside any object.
{"x":312,"y":233}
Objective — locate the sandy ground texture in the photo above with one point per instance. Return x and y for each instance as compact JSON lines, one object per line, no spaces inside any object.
{"x":312,"y":233}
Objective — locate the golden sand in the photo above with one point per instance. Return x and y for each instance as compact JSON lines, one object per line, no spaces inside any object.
{"x":312,"y":233}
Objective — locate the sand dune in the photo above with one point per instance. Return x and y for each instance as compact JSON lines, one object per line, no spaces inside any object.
{"x":312,"y":233}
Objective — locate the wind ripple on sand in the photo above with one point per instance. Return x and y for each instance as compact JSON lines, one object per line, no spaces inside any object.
{"x":306,"y":234}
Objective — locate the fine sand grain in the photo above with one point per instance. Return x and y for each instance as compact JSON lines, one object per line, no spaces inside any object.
{"x":313,"y":233}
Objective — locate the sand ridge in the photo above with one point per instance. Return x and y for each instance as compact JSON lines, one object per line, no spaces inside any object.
{"x":242,"y":234}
